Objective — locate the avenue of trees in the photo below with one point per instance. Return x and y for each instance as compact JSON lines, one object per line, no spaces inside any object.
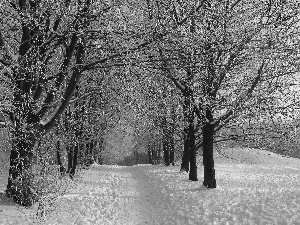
{"x":172,"y":77}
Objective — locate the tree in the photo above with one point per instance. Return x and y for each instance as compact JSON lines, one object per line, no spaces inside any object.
{"x":34,"y":55}
{"x":44,"y":56}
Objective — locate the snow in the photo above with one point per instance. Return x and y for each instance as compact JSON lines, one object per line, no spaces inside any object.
{"x":255,"y":187}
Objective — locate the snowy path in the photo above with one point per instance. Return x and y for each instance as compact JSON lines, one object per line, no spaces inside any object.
{"x":109,"y":195}
{"x":257,"y":187}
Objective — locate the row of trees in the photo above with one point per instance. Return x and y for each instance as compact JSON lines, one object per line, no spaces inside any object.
{"x":231,"y":61}
{"x":194,"y":68}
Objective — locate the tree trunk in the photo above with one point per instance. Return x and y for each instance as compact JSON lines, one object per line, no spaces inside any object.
{"x":159,"y":153}
{"x":172,"y":151}
{"x":166,"y":151}
{"x":25,"y":135}
{"x":73,"y":158}
{"x":58,"y":155}
{"x":20,"y":186}
{"x":155,"y":151}
{"x":192,"y":150}
{"x":91,"y":147}
{"x":185,"y":164}
{"x":70,"y":152}
{"x":150,"y":160}
{"x":208,"y":157}
{"x":189,"y":153}
{"x":172,"y":134}
{"x":59,"y":162}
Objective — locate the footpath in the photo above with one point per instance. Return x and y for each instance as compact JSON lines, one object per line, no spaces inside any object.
{"x":113,"y":195}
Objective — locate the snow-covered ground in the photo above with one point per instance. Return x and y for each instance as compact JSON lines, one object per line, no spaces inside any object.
{"x":255,"y":187}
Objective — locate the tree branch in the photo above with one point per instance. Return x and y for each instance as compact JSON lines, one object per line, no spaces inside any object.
{"x":60,"y":76}
{"x":225,"y":118}
{"x":69,"y":90}
{"x":257,"y":78}
{"x":227,"y":65}
{"x":192,"y":12}
{"x":234,"y":4}
{"x":82,"y":97}
{"x":144,"y":44}
{"x":91,"y":65}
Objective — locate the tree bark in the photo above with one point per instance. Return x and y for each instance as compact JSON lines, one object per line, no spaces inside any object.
{"x":59,"y":162}
{"x":74,"y":162}
{"x":185,"y":164}
{"x":166,"y":150}
{"x":25,"y":134}
{"x":208,"y":157}
{"x":157,"y":153}
{"x":172,"y":135}
{"x":150,"y":160}
{"x":70,"y":152}
{"x":189,"y":153}
{"x":191,"y":139}
{"x":19,"y":185}
{"x":172,"y":151}
{"x":72,"y":159}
